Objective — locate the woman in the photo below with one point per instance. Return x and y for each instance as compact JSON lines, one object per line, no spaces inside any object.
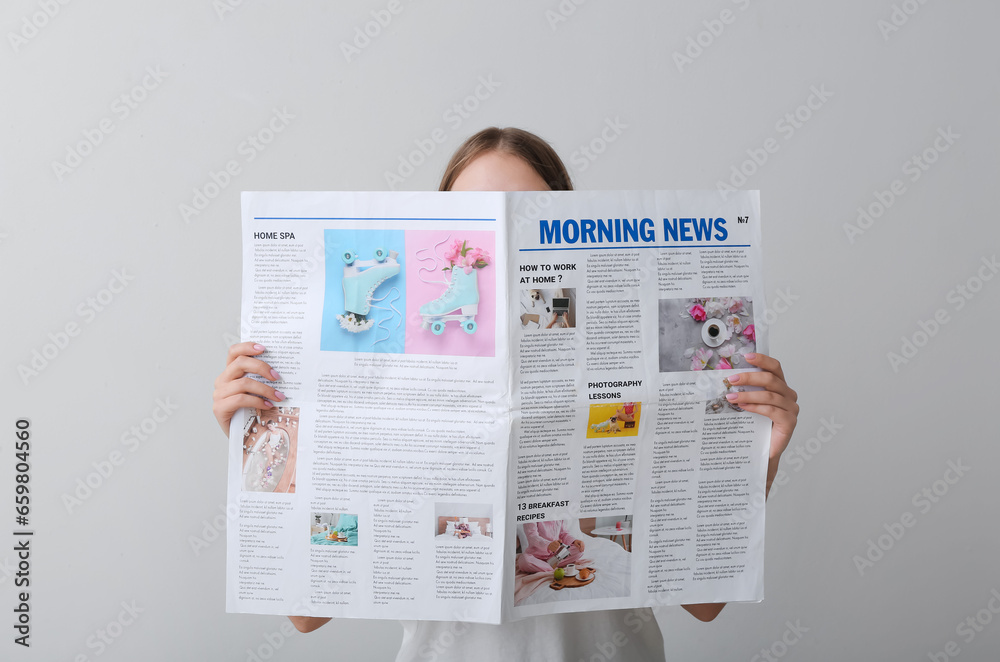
{"x":545,"y":539}
{"x":515,"y":160}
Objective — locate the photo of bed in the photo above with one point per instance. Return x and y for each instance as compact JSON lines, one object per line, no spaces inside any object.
{"x":560,"y":560}
{"x":339,"y":529}
{"x":463,"y":524}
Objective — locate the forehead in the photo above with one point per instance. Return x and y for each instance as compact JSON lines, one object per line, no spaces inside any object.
{"x":499,"y":171}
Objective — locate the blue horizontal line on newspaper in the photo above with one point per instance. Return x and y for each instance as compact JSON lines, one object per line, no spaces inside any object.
{"x":362,"y":218}
{"x":629,"y":247}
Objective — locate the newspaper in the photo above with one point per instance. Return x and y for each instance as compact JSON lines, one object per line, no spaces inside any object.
{"x":498,"y":405}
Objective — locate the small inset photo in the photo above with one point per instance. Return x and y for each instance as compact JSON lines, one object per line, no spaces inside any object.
{"x":610,"y":419}
{"x":717,"y":402}
{"x":334,"y":529}
{"x":711,"y":333}
{"x":573,"y":559}
{"x":463,"y":524}
{"x":553,"y":308}
{"x":270,"y":440}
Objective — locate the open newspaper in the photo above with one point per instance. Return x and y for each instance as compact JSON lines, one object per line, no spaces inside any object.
{"x":498,"y":405}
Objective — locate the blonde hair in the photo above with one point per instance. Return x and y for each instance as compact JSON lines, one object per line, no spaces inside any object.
{"x":536,"y":152}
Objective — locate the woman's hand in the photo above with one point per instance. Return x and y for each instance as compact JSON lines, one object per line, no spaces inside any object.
{"x":233,"y":389}
{"x":777,"y":401}
{"x":554,"y":546}
{"x":578,"y":543}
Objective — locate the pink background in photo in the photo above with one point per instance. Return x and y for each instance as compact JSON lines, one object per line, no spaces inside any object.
{"x":454,"y":341}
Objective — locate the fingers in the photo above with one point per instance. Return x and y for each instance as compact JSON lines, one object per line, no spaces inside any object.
{"x":234,"y":389}
{"x":244,"y":365}
{"x":249,"y":348}
{"x":770,"y":381}
{"x":765,"y":362}
{"x":768,"y":398}
{"x":249,"y":386}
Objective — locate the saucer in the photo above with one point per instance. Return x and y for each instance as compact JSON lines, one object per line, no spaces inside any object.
{"x":724,"y":332}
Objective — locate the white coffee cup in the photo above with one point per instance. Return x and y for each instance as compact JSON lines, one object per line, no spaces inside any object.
{"x":570,"y":570}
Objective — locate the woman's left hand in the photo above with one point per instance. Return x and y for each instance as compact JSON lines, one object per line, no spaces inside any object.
{"x":777,"y":401}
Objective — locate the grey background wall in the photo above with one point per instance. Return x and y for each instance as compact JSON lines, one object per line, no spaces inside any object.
{"x":93,"y":234}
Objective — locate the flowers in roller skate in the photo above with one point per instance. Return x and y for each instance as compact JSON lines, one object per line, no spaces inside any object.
{"x":453,"y":251}
{"x":458,"y":254}
{"x":354,"y":323}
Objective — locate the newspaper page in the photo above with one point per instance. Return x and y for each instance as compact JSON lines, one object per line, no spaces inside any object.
{"x":497,"y":405}
{"x":632,"y":472}
{"x":374,"y":489}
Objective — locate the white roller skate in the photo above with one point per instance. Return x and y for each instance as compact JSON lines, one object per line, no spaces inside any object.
{"x":361,"y":279}
{"x":459,"y":302}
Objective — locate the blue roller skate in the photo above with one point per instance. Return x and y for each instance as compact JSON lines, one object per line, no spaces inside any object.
{"x":459,"y":302}
{"x":361,"y":279}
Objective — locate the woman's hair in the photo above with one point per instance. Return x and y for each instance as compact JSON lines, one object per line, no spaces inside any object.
{"x":535,"y":151}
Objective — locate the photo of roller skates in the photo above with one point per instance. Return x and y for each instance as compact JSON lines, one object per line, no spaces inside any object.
{"x":364,"y":303}
{"x":361,"y":279}
{"x":451,"y":292}
{"x":460,"y":300}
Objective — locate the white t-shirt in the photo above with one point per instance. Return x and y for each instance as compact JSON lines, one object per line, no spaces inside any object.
{"x":631,"y":635}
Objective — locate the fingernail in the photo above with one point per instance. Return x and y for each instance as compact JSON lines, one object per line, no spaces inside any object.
{"x":268,"y":403}
{"x":259,"y":348}
{"x":731,"y":397}
{"x":274,"y":374}
{"x":734,"y":379}
{"x":751,"y":356}
{"x":278,"y":395}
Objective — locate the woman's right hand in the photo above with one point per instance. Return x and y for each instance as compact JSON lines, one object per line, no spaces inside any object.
{"x":234,"y":389}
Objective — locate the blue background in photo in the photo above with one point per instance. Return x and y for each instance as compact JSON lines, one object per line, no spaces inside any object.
{"x":364,"y":242}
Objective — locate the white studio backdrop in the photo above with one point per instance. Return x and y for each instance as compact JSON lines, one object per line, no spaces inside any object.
{"x":121,"y":225}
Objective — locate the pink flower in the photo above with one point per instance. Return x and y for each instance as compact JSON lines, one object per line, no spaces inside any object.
{"x":723,"y":364}
{"x":736,"y":305}
{"x":750,"y":333}
{"x":476,"y":258}
{"x":727,"y":350}
{"x":698,"y":313}
{"x":700,"y":359}
{"x":453,"y":252}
